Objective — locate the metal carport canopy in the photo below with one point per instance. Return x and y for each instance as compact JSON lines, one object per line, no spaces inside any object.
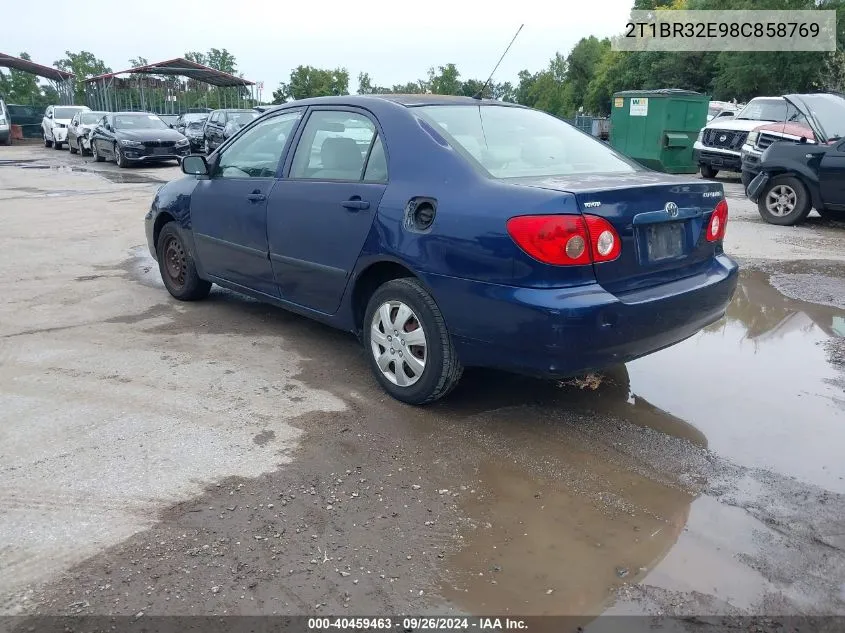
{"x":184,"y":68}
{"x":27,"y":66}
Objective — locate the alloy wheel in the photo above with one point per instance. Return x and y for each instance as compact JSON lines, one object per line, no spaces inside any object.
{"x":398,"y":343}
{"x":781,"y":200}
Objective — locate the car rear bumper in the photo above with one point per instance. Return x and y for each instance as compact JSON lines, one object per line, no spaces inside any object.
{"x":59,"y":134}
{"x":565,"y":331}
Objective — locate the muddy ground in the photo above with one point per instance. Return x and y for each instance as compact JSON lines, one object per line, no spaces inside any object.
{"x":228,"y":457}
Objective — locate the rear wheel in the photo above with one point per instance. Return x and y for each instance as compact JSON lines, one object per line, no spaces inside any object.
{"x":708,"y":172}
{"x":57,"y":145}
{"x":785,"y":201}
{"x":47,"y":142}
{"x":73,"y":149}
{"x":176,"y":264}
{"x":407,"y":343}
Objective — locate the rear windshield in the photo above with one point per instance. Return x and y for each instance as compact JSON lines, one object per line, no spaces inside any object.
{"x":509,"y":142}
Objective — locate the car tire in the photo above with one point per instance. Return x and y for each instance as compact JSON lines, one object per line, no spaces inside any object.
{"x":95,"y":153}
{"x":73,"y":150}
{"x":177,"y":267}
{"x":785,"y":201}
{"x":47,"y":142}
{"x":708,"y":172}
{"x":57,"y":145}
{"x":206,"y":148}
{"x":436,"y":368}
{"x":119,"y":158}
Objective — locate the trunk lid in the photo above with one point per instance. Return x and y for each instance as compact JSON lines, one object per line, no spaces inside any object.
{"x":661,"y":220}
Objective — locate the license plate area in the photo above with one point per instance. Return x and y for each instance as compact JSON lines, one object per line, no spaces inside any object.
{"x":161,"y":150}
{"x":664,"y":241}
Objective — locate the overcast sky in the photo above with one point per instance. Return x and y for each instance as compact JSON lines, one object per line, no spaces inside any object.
{"x":269,"y":38}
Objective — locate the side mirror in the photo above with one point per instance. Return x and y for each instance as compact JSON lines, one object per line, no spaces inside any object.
{"x":195,"y":165}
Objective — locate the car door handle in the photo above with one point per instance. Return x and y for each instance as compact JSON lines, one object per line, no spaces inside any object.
{"x":256,"y":197}
{"x":355,"y":204}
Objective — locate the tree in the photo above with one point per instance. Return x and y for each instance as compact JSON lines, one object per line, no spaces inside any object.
{"x":221,"y":59}
{"x":366,"y":87}
{"x":21,"y":87}
{"x":135,"y":62}
{"x":197,"y":57}
{"x":581,"y":66}
{"x":444,"y":80}
{"x":83,"y":65}
{"x":307,"y":81}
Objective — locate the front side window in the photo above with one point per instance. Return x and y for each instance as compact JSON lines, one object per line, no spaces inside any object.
{"x":256,"y":153}
{"x":333,"y":146}
{"x":90,"y":118}
{"x":510,"y":142}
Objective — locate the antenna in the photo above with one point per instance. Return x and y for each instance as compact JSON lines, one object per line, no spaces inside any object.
{"x":481,"y":92}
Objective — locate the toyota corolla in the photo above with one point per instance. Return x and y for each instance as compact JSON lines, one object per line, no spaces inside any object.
{"x":449,"y":232}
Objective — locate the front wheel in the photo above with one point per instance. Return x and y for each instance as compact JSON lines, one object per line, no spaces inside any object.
{"x":73,"y":149}
{"x":177,"y":267}
{"x":785,"y":201}
{"x":407,"y":343}
{"x":708,"y":172}
{"x":119,"y":158}
{"x":96,"y":153}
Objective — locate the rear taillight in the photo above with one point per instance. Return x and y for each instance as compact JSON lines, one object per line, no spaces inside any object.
{"x":565,"y":240}
{"x":603,"y":238}
{"x":718,"y":222}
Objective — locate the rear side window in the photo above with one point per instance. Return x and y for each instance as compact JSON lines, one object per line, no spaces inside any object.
{"x":334,"y":146}
{"x":510,"y":142}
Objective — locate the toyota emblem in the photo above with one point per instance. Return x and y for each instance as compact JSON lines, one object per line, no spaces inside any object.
{"x":723,"y":138}
{"x":671,"y":209}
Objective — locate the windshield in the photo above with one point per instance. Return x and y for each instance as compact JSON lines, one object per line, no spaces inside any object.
{"x":65,"y":113}
{"x":829,"y":111}
{"x":138,"y":122}
{"x":767,"y":110}
{"x":242,"y":118}
{"x":509,"y":142}
{"x":90,"y":118}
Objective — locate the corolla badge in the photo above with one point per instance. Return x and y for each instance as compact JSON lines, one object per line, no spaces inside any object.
{"x":672,"y":209}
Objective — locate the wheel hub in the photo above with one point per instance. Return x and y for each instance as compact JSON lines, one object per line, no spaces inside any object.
{"x":175,"y":261}
{"x":398,"y":343}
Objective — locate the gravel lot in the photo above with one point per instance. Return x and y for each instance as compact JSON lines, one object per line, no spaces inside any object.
{"x":227,"y":457}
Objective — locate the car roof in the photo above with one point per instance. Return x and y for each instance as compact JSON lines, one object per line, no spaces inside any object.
{"x":407,"y":100}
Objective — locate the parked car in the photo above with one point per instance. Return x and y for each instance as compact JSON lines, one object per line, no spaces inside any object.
{"x":132,"y":137}
{"x":719,"y":109}
{"x":720,"y":142}
{"x":465,"y":233}
{"x":760,"y":138}
{"x":55,"y":122}
{"x":192,"y":125}
{"x":169,"y":119}
{"x":80,"y":128}
{"x":222,"y":124}
{"x":5,"y":124}
{"x":794,"y":177}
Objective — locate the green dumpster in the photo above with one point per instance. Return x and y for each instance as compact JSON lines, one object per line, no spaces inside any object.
{"x":658,"y":128}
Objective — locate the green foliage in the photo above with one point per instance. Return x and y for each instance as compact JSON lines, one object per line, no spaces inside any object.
{"x":19,"y":87}
{"x":307,"y":81}
{"x":84,"y":65}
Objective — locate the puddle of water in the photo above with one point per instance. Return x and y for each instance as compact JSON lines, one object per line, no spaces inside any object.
{"x":536,"y":548}
{"x":759,"y":385}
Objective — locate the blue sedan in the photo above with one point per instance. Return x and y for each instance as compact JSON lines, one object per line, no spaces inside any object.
{"x":448,"y":232}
